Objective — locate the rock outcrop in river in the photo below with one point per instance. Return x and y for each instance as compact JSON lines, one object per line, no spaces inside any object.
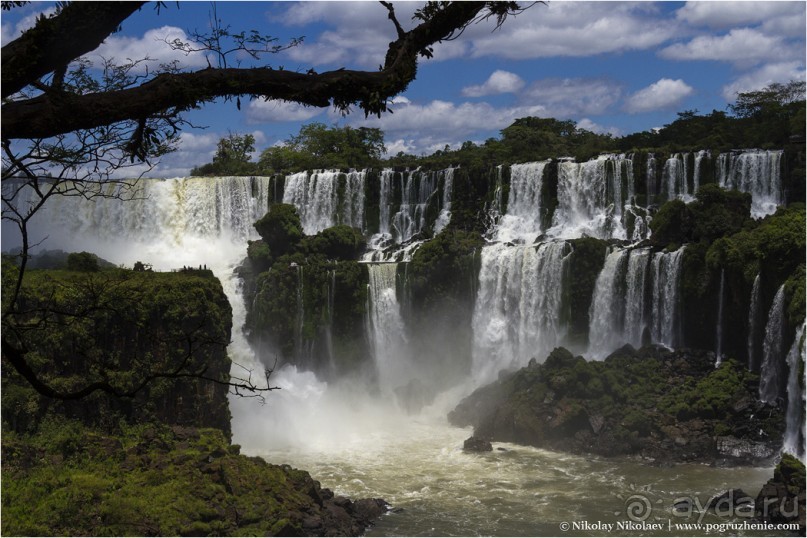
{"x":665,"y":406}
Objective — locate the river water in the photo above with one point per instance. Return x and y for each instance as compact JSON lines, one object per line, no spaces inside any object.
{"x":361,"y":446}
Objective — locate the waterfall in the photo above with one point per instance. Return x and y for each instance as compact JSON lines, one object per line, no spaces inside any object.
{"x":756,"y":172}
{"x":719,"y":329}
{"x":400,"y":225}
{"x":517,"y":314}
{"x":635,"y":296}
{"x":388,"y":333}
{"x":522,"y":222}
{"x":674,"y":177}
{"x":617,"y":313}
{"x":666,"y":267}
{"x":152,"y":214}
{"x":448,"y":191}
{"x":416,"y":189}
{"x":607,"y":311}
{"x":652,"y":187}
{"x":326,"y":198}
{"x":752,"y":325}
{"x":169,"y":223}
{"x":329,"y":327}
{"x":590,"y":199}
{"x":794,"y":419}
{"x":300,"y":307}
{"x":698,"y":172}
{"x":772,"y":370}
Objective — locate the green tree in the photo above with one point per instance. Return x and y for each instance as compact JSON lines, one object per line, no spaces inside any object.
{"x":233,"y":157}
{"x":320,"y":146}
{"x":82,"y":261}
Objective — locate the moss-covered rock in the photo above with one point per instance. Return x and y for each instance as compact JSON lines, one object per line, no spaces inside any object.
{"x":339,"y":242}
{"x":126,"y":329}
{"x":280,"y":228}
{"x":585,"y":264}
{"x":664,"y":405}
{"x":440,"y":284}
{"x":782,"y":498}
{"x":151,"y":479}
{"x":311,"y":311}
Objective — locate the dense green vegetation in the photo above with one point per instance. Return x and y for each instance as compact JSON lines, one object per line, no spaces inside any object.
{"x":670,"y":405}
{"x":302,"y":286}
{"x":154,"y":480}
{"x":233,"y":157}
{"x":318,"y":146}
{"x":128,"y":330}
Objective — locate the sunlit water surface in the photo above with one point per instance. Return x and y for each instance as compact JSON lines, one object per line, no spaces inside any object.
{"x":416,"y":463}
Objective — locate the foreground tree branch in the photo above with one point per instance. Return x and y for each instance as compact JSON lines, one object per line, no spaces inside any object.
{"x":51,"y":114}
{"x":56,"y":41}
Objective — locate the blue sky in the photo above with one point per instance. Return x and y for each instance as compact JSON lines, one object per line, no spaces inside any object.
{"x":616,"y":67}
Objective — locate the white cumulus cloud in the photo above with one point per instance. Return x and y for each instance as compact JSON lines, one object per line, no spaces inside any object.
{"x":573,"y":96}
{"x":153,"y":45}
{"x":764,"y":76}
{"x":261,"y":111}
{"x":730,"y":14}
{"x":664,"y":93}
{"x":498,"y":82}
{"x":420,"y":127}
{"x":744,"y":46}
{"x":576,"y":29}
{"x":589,"y":125}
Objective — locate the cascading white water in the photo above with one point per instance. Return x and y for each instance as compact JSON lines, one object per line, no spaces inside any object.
{"x":772,"y":370}
{"x":170,"y":224}
{"x":154,"y":212}
{"x":794,"y":418}
{"x":607,"y":312}
{"x":590,"y":199}
{"x":324,"y":426}
{"x":398,"y":225}
{"x":757,"y":172}
{"x":522,"y":221}
{"x":416,"y":189}
{"x":635,"y":296}
{"x":652,"y":182}
{"x":753,"y":315}
{"x":517,"y":315}
{"x":319,"y":201}
{"x":387,"y":328}
{"x":448,"y":192}
{"x":329,"y":326}
{"x":674,"y":177}
{"x":617,"y":312}
{"x":719,"y":329}
{"x":697,"y":174}
{"x":666,"y":267}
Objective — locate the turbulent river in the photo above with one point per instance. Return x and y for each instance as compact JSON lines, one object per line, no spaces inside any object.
{"x":360,"y":448}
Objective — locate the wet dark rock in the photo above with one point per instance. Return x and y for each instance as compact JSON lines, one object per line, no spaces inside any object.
{"x":662,"y":405}
{"x":782,"y":498}
{"x":744,"y":449}
{"x":477,"y":444}
{"x":730,"y":500}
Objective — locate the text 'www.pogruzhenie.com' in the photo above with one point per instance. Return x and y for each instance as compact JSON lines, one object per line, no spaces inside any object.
{"x":674,"y":527}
